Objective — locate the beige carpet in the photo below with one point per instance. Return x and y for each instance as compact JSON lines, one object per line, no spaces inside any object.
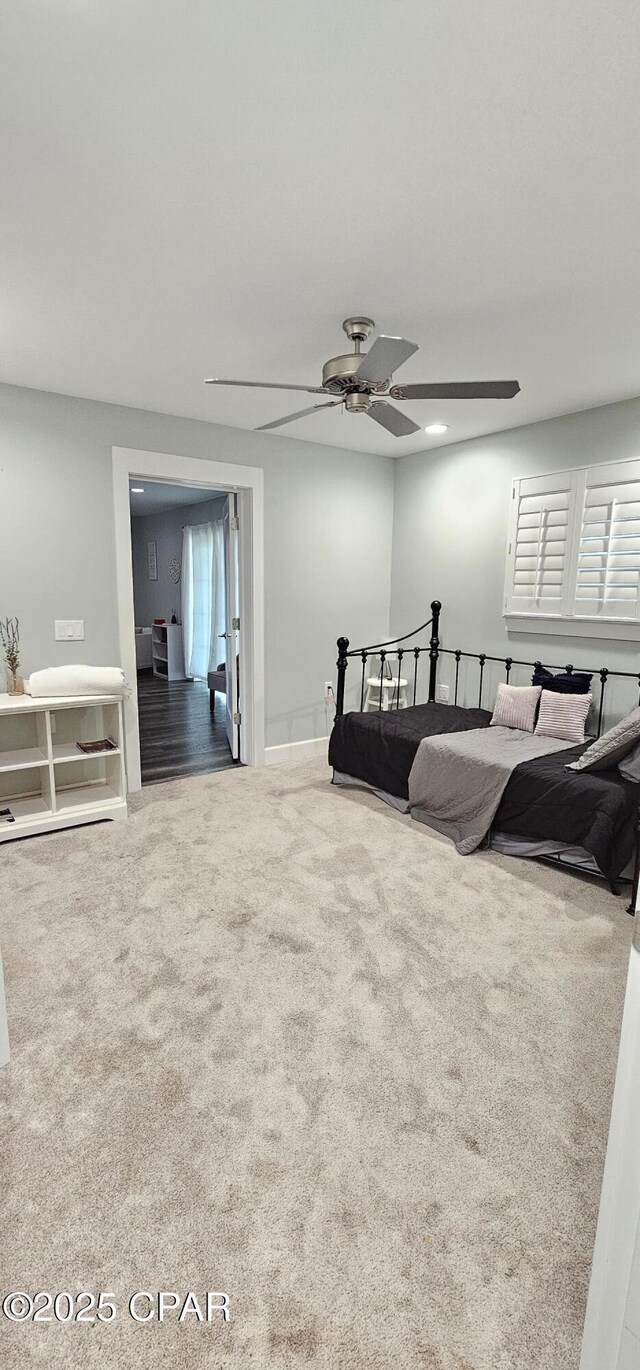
{"x":271,"y":1039}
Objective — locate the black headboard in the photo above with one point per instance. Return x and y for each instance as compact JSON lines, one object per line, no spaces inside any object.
{"x":395,"y":657}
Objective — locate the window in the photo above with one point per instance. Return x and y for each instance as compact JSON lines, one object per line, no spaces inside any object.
{"x":203,"y":597}
{"x":574,"y":546}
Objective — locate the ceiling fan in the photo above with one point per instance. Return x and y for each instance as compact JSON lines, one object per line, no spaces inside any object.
{"x":362,"y":383}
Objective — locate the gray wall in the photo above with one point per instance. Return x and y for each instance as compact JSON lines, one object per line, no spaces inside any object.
{"x":160,"y":598}
{"x":328,"y":518}
{"x":450,"y":532}
{"x":328,"y":524}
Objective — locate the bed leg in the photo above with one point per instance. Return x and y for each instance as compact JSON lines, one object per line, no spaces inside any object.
{"x":613,"y":887}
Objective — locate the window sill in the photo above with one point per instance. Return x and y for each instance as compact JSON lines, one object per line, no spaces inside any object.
{"x":620,"y":630}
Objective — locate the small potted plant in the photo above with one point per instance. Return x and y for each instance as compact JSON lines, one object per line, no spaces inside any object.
{"x":10,"y":641}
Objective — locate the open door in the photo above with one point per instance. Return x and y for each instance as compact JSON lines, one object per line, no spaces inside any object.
{"x":232,"y":635}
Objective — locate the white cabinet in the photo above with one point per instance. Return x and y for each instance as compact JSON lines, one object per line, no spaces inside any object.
{"x":46,"y":781}
{"x":166,"y":646}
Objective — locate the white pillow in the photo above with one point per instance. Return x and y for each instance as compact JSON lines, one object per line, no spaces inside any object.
{"x":516,"y":707}
{"x":563,"y":716}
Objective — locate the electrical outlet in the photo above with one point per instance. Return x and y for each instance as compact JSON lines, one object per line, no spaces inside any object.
{"x":328,"y":686}
{"x":69,"y":629}
{"x":442,"y":694}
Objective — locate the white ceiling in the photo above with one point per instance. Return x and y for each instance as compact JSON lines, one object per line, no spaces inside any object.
{"x":158,"y":496}
{"x":209,"y":189}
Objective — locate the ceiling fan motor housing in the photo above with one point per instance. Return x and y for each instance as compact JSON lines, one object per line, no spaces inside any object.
{"x":339,"y":374}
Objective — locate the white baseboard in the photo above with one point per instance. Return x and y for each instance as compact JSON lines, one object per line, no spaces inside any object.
{"x":296,"y":751}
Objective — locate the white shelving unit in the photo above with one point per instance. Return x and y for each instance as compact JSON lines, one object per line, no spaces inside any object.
{"x":45,"y":780}
{"x":166,"y":649}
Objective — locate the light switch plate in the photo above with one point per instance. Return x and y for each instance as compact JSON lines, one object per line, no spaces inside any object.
{"x":442,"y":694}
{"x":69,"y":629}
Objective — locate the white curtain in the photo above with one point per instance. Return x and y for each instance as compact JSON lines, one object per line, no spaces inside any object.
{"x":203,"y":597}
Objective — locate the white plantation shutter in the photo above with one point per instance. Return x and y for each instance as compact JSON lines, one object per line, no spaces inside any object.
{"x":608,"y":571}
{"x":540,"y":544}
{"x":574,"y":545}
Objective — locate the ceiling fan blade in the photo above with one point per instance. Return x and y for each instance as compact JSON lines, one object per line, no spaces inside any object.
{"x":301,"y":414}
{"x":392,"y":419}
{"x":457,"y":390}
{"x":383,"y":358}
{"x":273,"y":385}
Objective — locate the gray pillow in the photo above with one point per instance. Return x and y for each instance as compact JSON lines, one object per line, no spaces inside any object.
{"x":609,"y":749}
{"x":630,"y":766}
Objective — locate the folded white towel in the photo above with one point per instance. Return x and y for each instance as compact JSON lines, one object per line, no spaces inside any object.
{"x":76,"y":680}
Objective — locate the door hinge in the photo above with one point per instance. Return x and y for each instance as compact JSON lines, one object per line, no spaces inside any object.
{"x":237,"y":718}
{"x":235,"y":623}
{"x":234,"y":524}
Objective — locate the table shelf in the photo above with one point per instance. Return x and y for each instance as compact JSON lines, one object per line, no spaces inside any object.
{"x":27,"y":807}
{"x":85,"y":796}
{"x":69,"y":751}
{"x":23,"y":758}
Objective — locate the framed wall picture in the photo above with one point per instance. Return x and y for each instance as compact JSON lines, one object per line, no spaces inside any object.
{"x":153,"y":561}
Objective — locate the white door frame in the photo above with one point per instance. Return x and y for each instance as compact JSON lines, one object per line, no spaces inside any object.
{"x":248,"y":482}
{"x":232,"y":615}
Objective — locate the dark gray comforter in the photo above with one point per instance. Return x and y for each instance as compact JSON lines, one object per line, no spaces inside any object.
{"x":542,"y":801}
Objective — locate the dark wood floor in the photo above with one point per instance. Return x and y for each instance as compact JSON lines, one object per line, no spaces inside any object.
{"x":179,"y":735}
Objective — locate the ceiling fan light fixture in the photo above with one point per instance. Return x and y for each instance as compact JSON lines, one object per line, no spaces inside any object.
{"x":435,"y":428}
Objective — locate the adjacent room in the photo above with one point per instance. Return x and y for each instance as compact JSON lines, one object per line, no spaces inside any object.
{"x":320,"y":685}
{"x":179,"y":590}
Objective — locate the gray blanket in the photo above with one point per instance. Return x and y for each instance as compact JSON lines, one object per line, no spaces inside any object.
{"x":457,"y":779}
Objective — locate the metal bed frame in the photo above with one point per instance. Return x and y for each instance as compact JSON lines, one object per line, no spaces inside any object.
{"x":382,"y":651}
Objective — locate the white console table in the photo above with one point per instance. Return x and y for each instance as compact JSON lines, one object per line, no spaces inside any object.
{"x":45,"y":780}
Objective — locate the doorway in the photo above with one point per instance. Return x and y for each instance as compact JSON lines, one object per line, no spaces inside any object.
{"x":235,"y":722}
{"x":181,"y":544}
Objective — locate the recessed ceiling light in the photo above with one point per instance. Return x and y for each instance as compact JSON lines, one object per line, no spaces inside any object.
{"x":137,"y":489}
{"x":437,"y":428}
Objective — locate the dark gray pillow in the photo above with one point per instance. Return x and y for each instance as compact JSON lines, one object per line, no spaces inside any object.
{"x":612,"y":747}
{"x":564,"y":683}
